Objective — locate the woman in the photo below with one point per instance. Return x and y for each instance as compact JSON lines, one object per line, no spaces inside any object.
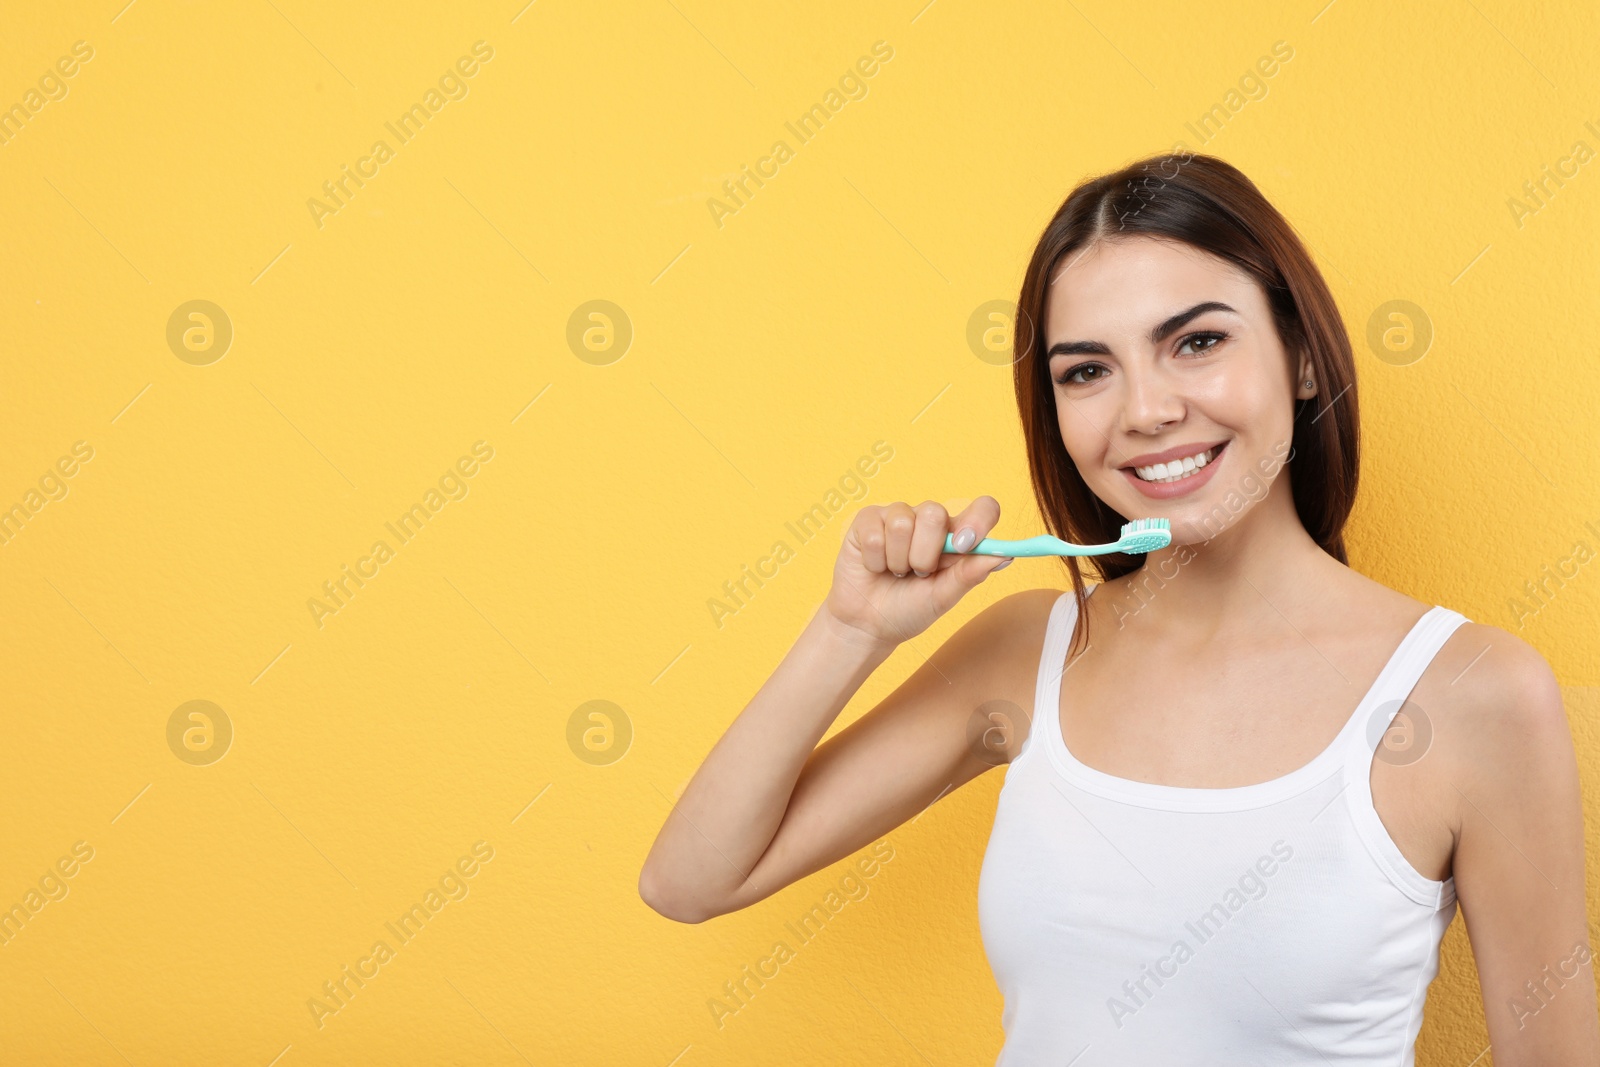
{"x":1249,"y":852}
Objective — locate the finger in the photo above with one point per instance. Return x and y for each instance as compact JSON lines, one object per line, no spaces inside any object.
{"x":898,"y":522}
{"x":927,"y":537}
{"x":956,"y":581}
{"x":870,"y":538}
{"x":978,"y":517}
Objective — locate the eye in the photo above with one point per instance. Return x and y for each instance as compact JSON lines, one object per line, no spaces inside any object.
{"x":1070,"y":376}
{"x":1214,"y":337}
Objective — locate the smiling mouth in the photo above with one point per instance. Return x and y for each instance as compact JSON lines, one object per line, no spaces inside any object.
{"x":1179,"y":469}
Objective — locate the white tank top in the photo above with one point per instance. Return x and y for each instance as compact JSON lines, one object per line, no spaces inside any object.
{"x":1129,"y":923}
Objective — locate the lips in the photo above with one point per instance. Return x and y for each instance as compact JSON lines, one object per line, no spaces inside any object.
{"x":1175,"y":452}
{"x":1182,"y":486}
{"x":1178,"y":468}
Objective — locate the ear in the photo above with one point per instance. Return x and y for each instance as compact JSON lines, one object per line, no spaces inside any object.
{"x":1306,"y":374}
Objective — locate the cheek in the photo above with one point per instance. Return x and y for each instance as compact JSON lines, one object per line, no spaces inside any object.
{"x":1084,"y":425}
{"x":1249,"y":398}
{"x":1072,"y":422}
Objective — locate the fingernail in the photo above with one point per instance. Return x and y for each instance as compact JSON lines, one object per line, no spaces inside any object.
{"x":965,"y":539}
{"x":1003,"y":566}
{"x":920,"y":574}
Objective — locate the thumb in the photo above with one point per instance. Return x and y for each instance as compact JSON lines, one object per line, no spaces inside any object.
{"x":961,"y":577}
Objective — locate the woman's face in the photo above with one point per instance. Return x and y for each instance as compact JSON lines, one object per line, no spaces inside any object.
{"x":1159,"y":351}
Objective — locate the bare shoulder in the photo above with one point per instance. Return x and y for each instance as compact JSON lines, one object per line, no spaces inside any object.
{"x":1494,"y":680}
{"x":1498,"y":719}
{"x":993,"y":660}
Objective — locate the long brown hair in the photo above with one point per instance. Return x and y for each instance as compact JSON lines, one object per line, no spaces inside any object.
{"x":1209,"y":204}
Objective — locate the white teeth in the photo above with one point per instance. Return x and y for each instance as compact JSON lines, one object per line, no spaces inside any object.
{"x":1176,"y":470}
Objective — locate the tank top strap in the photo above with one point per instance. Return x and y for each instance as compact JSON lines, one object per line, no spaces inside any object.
{"x":1391,"y":690}
{"x":1052,"y":660}
{"x":1365,"y":732}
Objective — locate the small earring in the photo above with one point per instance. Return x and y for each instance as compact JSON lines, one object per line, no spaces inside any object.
{"x":1308,"y":383}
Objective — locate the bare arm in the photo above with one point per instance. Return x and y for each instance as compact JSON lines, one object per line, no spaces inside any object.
{"x":768,"y":807}
{"x":1519,"y":865}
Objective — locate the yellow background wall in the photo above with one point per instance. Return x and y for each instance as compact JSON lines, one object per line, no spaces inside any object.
{"x":373,"y":747}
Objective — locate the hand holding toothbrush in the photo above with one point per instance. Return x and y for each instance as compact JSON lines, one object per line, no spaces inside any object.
{"x":901,"y":567}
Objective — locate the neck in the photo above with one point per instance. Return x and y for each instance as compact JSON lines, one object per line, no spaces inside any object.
{"x":1256,"y":572}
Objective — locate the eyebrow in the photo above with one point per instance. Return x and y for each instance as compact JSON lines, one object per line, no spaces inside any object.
{"x":1157,"y":335}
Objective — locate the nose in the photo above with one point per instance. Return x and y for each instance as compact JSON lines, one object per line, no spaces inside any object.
{"x":1149,"y":401}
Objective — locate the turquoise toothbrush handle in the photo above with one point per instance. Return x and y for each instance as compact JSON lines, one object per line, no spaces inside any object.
{"x":1043,"y":545}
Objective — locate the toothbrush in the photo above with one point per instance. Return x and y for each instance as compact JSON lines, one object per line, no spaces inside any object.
{"x":1138,"y":537}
